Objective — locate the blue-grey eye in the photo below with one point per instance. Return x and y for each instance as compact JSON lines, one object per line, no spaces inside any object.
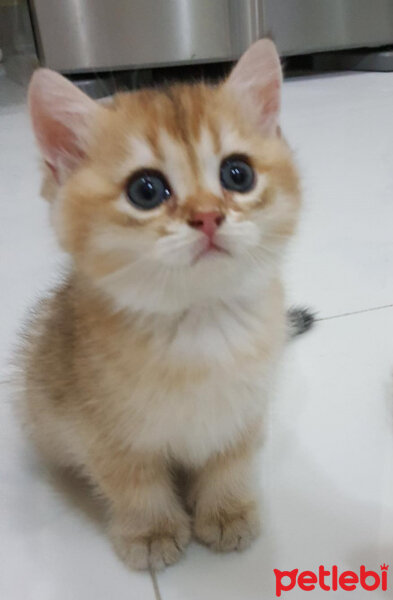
{"x":236,"y":174}
{"x":148,"y":189}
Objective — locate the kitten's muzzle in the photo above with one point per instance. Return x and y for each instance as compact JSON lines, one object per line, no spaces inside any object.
{"x":208,"y":223}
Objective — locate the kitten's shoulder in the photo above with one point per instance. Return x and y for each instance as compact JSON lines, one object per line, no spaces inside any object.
{"x":47,"y":336}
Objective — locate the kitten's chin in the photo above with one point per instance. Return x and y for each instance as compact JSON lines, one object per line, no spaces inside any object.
{"x":214,"y":277}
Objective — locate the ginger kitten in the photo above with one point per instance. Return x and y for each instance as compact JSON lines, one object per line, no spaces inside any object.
{"x":156,"y":354}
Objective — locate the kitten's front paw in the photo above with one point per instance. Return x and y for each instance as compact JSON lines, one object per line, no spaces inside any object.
{"x":156,"y":549}
{"x":225,"y":531}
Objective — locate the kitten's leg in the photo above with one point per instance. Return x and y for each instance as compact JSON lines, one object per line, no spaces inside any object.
{"x":225,"y":506}
{"x":148,"y":526}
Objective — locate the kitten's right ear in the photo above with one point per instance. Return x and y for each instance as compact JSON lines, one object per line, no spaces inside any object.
{"x":62,"y":116}
{"x":256,"y":81}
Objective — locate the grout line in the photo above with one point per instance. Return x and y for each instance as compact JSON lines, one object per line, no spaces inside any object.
{"x":153,"y":576}
{"x":355,"y":312}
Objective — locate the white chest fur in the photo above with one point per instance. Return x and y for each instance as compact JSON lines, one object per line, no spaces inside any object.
{"x":203,"y":415}
{"x":202,"y":420}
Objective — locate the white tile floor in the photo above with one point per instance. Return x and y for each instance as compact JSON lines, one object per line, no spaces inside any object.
{"x":326,"y":470}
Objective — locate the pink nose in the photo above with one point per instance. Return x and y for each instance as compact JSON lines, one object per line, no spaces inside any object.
{"x":208,"y":222}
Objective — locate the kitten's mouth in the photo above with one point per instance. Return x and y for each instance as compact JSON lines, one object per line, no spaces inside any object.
{"x":209,"y":250}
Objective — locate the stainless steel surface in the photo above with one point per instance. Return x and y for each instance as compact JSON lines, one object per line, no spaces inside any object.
{"x":304,"y":26}
{"x":94,"y":35}
{"x":16,"y":40}
{"x":76,"y":35}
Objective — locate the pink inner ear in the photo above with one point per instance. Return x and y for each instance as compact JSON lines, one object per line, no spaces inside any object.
{"x":256,"y":79}
{"x":52,"y":170}
{"x":269,"y":102}
{"x":61,"y":115}
{"x":58,"y":142}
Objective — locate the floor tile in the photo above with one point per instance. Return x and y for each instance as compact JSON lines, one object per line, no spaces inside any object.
{"x":342,"y":132}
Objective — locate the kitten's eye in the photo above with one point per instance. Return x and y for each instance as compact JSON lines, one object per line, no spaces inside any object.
{"x":148,"y":189}
{"x":236,"y":174}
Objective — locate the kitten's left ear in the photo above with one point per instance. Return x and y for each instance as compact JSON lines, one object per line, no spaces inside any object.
{"x":62,"y":118}
{"x":256,"y":80}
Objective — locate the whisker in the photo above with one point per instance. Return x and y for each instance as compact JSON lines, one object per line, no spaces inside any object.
{"x":261,"y":258}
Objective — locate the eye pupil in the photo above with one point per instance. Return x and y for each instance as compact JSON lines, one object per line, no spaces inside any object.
{"x":147,"y":190}
{"x":237,"y":175}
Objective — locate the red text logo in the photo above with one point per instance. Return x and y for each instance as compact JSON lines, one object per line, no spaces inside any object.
{"x":331,"y":580}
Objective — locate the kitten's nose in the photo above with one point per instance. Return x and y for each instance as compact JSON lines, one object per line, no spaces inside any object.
{"x":208,"y":222}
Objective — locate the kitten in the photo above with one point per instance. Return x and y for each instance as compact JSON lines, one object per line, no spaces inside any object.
{"x":157,"y":353}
